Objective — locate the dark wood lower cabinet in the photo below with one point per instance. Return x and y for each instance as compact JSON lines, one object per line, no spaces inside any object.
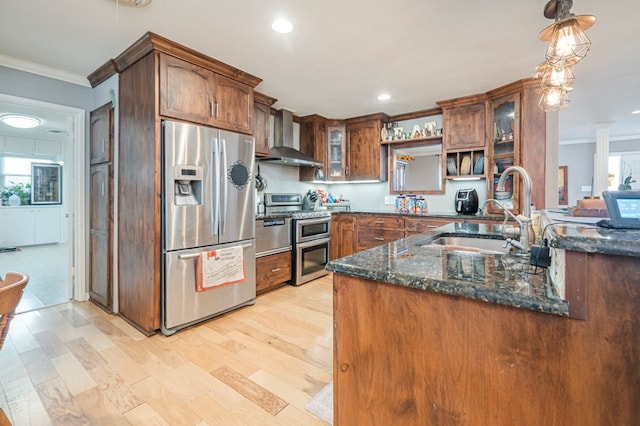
{"x":403,"y":356}
{"x":343,"y":235}
{"x":273,"y":271}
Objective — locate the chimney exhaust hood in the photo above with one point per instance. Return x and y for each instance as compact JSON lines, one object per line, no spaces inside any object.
{"x":283,"y":151}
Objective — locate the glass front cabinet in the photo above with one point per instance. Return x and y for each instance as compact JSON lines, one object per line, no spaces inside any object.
{"x":336,"y":154}
{"x":504,"y":145}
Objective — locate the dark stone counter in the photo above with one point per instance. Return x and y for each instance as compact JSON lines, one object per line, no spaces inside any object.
{"x":505,"y":279}
{"x":568,"y":233}
{"x":433,"y":215}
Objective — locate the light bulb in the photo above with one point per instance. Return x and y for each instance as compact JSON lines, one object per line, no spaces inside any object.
{"x":569,"y":44}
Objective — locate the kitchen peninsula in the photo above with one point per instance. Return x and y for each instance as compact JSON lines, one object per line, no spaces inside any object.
{"x":431,"y":336}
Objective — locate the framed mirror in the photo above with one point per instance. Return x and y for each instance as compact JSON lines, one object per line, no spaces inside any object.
{"x":416,"y":167}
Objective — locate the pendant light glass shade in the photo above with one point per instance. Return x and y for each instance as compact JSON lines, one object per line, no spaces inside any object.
{"x":554,"y":99}
{"x":569,"y":44}
{"x":555,"y":76}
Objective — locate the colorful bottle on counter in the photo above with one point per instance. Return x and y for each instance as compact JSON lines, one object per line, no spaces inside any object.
{"x":410,"y":202}
{"x":400,"y":203}
{"x":421,"y":205}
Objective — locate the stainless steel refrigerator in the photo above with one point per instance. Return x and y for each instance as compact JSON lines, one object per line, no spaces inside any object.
{"x":209,"y":207}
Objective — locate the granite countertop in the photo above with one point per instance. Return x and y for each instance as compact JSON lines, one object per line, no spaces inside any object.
{"x":434,"y":215}
{"x":505,"y":279}
{"x":582,"y":234}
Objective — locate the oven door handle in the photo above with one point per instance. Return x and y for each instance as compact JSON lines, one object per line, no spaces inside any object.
{"x":313,"y":221}
{"x":313,"y":243}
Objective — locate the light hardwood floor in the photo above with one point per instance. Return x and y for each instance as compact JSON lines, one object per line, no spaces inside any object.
{"x":259,"y":365}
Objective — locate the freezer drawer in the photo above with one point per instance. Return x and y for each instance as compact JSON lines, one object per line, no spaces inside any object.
{"x":183,"y":305}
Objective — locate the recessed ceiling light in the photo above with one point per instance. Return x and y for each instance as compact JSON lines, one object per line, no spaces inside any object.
{"x":384,"y":97}
{"x":636,"y":111}
{"x":20,"y":121}
{"x":282,"y":26}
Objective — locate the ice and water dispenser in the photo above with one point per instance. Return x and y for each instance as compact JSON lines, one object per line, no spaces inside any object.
{"x":188,"y":185}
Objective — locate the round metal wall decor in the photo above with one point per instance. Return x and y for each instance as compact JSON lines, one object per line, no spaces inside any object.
{"x":238,"y":174}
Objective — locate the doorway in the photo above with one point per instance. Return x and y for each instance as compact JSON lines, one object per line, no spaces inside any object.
{"x":56,"y":269}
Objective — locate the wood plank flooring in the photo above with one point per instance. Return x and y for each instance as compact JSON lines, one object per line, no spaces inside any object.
{"x":73,"y":364}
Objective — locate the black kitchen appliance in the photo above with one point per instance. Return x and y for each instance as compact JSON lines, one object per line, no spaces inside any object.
{"x":467,"y":201}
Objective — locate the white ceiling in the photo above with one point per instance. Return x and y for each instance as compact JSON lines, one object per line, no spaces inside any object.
{"x":343,"y":53}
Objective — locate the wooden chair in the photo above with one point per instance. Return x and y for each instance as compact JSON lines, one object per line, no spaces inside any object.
{"x":10,"y":294}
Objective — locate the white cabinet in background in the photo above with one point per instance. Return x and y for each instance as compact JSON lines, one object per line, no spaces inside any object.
{"x":26,"y":226}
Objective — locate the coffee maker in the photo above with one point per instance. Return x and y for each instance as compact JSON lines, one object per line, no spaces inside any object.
{"x":467,"y":201}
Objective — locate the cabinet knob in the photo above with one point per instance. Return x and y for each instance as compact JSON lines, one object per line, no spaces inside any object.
{"x":379,"y":238}
{"x":276,"y":270}
{"x":344,"y":367}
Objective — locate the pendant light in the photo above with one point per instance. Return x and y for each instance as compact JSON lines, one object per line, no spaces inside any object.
{"x":568,"y":45}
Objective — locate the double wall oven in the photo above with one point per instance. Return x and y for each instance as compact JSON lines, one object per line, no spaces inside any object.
{"x":310,"y":231}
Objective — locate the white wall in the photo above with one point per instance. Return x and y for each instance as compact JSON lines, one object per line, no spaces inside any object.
{"x":579,"y":159}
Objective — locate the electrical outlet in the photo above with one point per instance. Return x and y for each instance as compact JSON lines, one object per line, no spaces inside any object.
{"x":585,"y":188}
{"x":389,"y":199}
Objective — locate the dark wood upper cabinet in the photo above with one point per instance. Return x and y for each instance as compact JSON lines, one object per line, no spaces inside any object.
{"x":464,"y":126}
{"x":193,"y":93}
{"x":187,"y":91}
{"x":101,"y":134}
{"x":261,"y":122}
{"x":233,"y":105}
{"x":366,"y":156}
{"x":313,"y":142}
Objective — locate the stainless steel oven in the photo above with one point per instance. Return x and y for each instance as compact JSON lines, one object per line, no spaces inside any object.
{"x":312,"y":229}
{"x":311,"y":260}
{"x":311,"y":247}
{"x":310,"y":232}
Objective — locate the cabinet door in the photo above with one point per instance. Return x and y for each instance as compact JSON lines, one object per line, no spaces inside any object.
{"x":233,"y":105}
{"x":261,"y":114}
{"x":48,"y":225}
{"x":366,"y":159}
{"x":464,"y":126}
{"x":343,"y":235}
{"x":504,"y":151}
{"x":101,"y":134}
{"x":20,"y":226}
{"x":3,"y":228}
{"x":336,"y":152}
{"x":186,"y":91}
{"x":100,"y":222}
{"x":313,"y":142}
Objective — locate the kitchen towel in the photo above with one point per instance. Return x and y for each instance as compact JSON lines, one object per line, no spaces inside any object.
{"x":220,"y":267}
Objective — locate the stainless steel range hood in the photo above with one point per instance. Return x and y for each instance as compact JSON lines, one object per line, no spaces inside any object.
{"x":283,"y":151}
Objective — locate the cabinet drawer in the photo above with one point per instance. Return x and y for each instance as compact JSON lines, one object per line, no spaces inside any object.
{"x":372,"y":237}
{"x":422,"y":225}
{"x":381,"y":222}
{"x":272,"y":271}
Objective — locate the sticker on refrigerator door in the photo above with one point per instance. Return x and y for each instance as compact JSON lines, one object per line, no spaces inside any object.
{"x":221,"y":267}
{"x":239,"y":174}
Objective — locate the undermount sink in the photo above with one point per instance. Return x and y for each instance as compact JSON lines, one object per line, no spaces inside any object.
{"x":473,"y":244}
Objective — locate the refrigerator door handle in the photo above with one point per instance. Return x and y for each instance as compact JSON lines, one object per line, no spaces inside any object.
{"x":189,"y":256}
{"x":215,"y":190}
{"x":224,"y":186}
{"x":195,"y":255}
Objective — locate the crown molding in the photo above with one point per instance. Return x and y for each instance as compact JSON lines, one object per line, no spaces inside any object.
{"x":593,"y":140}
{"x":43,"y":70}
